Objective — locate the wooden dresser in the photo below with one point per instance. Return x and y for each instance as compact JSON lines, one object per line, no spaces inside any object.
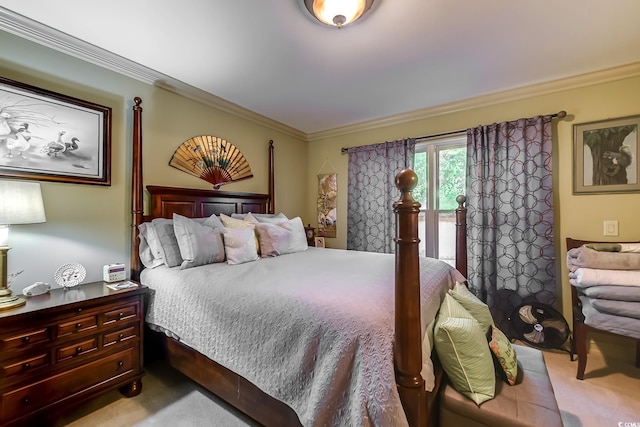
{"x":67,"y":346}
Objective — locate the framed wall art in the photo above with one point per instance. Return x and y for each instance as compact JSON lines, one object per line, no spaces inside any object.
{"x":605,"y":156}
{"x":48,"y":136}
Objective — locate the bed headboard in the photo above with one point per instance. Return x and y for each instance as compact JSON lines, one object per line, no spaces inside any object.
{"x":194,"y":203}
{"x":189,"y":202}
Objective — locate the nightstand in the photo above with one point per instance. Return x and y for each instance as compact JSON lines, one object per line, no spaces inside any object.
{"x":67,"y":346}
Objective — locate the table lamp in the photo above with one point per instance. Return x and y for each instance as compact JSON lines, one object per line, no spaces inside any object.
{"x":20,"y":203}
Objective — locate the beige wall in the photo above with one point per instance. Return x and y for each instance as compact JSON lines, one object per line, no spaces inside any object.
{"x":91,"y":224}
{"x":578,"y":216}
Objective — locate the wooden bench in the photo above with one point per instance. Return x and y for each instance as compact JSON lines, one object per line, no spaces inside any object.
{"x":530,"y":402}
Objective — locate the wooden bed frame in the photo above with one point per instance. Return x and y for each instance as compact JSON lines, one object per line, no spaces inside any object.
{"x":419,"y":405}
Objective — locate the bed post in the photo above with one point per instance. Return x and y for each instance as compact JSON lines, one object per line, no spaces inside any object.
{"x":137,"y":203}
{"x":408,"y":339}
{"x":271,"y":208}
{"x":461,"y":236}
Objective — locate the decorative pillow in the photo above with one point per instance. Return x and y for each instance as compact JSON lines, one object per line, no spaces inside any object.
{"x":504,"y":356}
{"x":273,"y":240}
{"x":298,"y":241}
{"x":277,"y":219}
{"x":248,"y":222}
{"x":464,"y":354}
{"x":149,"y":249}
{"x":475,"y":307}
{"x":213,"y":221}
{"x":238,"y":220}
{"x":199,"y":243}
{"x":239,"y":245}
{"x":168,"y":242}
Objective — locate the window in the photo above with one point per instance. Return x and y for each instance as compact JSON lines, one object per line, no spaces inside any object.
{"x":441,"y":165}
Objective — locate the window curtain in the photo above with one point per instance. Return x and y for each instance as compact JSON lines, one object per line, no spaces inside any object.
{"x":511,"y":258}
{"x":371,"y":192}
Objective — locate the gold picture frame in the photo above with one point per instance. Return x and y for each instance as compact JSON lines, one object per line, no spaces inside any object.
{"x":605,"y":156}
{"x":319,"y":242}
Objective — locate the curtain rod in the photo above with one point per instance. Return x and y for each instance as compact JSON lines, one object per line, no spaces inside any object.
{"x":560,"y":115}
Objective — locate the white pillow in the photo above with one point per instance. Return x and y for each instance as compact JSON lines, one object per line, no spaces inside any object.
{"x":149,"y":249}
{"x":298,"y":241}
{"x":240,"y":245}
{"x":277,"y":219}
{"x":169,"y":244}
{"x":274,"y":240}
{"x":199,"y":243}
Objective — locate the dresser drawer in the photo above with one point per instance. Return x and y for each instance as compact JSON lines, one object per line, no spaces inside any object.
{"x":24,"y":339}
{"x":79,"y":324}
{"x":15,"y":367}
{"x":126,"y":312}
{"x":119,"y":336}
{"x":34,"y":396}
{"x":77,"y":349}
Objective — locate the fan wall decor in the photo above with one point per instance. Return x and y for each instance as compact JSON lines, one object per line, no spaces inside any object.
{"x":212,"y":159}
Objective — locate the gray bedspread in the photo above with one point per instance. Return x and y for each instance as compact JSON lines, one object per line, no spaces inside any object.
{"x":313,"y":329}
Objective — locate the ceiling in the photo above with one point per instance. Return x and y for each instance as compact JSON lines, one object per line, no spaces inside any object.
{"x":273,"y":58}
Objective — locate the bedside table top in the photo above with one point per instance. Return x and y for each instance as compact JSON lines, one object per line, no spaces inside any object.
{"x":60,"y":297}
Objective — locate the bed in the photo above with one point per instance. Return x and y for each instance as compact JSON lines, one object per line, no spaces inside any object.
{"x":348,"y":358}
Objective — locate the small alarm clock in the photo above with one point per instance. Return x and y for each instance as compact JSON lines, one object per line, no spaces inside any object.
{"x":114,"y":273}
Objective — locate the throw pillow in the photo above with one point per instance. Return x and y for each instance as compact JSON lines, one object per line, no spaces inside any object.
{"x":169,"y":243}
{"x":462,"y":348}
{"x":504,"y":356}
{"x":298,"y":241}
{"x":475,"y":307}
{"x":149,"y":249}
{"x":273,"y":240}
{"x":199,"y":243}
{"x":239,"y":245}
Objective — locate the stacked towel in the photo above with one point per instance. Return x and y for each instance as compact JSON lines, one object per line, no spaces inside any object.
{"x":589,"y":258}
{"x":607,"y":277}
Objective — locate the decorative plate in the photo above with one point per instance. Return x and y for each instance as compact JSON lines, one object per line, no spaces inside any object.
{"x":69,"y":275}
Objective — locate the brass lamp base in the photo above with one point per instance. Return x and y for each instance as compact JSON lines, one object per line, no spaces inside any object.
{"x":7,"y":300}
{"x":11,"y":301}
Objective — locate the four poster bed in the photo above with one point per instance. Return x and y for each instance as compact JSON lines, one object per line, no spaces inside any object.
{"x":364,"y":371}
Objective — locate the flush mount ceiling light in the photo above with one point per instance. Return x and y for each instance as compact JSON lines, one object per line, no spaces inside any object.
{"x":338,"y":13}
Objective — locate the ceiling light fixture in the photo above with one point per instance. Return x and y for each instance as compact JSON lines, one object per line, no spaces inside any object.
{"x":338,"y":13}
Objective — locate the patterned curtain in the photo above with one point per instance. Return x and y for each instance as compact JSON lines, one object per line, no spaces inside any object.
{"x":511,"y":257}
{"x":372,"y":192}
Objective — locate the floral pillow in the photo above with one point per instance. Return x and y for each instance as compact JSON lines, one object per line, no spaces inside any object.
{"x":504,"y":356}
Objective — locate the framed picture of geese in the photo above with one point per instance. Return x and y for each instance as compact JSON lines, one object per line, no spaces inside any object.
{"x":48,"y":136}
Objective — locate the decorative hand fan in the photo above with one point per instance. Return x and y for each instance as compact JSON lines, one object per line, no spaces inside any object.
{"x":212,"y":159}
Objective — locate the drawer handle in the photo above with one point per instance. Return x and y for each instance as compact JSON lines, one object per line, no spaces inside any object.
{"x":120,"y":364}
{"x":121,"y":337}
{"x":121,"y":315}
{"x":78,"y":325}
{"x":79,"y":350}
{"x":26,"y":339}
{"x":79,"y":310}
{"x":26,"y":365}
{"x":26,"y":401}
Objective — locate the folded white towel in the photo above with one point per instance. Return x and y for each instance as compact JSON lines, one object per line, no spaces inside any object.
{"x":584,"y":277}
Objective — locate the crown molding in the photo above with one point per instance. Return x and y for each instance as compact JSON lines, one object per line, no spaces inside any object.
{"x":36,"y":32}
{"x":559,"y":85}
{"x":44,"y":35}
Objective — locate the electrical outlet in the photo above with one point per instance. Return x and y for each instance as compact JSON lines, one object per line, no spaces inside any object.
{"x":611,"y":228}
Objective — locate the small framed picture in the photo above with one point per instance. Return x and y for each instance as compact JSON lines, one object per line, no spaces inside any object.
{"x":605,"y":156}
{"x":319,"y":242}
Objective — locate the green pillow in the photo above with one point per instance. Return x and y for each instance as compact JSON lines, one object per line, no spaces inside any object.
{"x":475,"y":307}
{"x":462,"y":348}
{"x":504,"y":355}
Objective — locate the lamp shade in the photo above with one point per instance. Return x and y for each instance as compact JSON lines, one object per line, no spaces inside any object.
{"x":21,"y":203}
